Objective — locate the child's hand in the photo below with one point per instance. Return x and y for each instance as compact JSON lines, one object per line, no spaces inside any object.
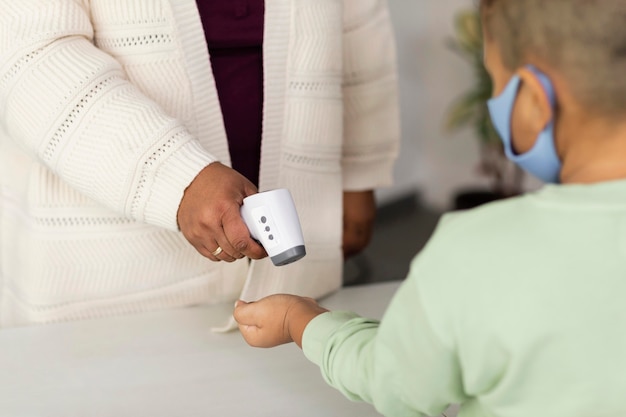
{"x":276,"y":319}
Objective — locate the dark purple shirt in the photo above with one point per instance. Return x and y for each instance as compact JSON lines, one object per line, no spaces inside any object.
{"x":234,"y":34}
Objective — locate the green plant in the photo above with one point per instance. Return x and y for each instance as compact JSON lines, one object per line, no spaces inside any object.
{"x":470,"y":109}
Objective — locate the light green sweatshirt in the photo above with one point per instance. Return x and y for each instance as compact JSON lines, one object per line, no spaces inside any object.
{"x":514,"y":309}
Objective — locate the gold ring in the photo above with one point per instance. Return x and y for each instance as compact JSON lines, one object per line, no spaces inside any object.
{"x":217,"y":251}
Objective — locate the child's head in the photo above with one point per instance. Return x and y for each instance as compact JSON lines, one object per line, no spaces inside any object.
{"x":584,"y":40}
{"x":580,"y":45}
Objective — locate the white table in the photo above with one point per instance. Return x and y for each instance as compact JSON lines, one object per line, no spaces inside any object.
{"x":169,"y":363}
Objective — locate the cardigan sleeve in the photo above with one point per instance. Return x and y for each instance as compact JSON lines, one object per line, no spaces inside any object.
{"x":71,"y":107}
{"x":371,"y":107}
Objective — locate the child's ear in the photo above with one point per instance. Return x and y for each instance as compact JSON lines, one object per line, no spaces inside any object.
{"x":539,"y":110}
{"x":532,"y":112}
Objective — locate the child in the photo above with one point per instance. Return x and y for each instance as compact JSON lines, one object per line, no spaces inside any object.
{"x":517,"y":308}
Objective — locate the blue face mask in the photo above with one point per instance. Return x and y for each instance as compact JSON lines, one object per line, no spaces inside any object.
{"x":542,"y":160}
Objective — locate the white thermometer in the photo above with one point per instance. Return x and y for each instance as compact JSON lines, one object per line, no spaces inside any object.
{"x":272,"y":220}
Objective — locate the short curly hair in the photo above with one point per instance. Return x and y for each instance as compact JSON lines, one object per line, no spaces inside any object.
{"x":585,"y":40}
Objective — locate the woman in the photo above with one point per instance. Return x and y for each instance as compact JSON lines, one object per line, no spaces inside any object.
{"x":117,"y":144}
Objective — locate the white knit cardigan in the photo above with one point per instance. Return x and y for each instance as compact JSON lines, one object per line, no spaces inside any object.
{"x":109,"y":110}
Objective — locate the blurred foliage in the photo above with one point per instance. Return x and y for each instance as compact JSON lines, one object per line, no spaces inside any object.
{"x":470,"y":109}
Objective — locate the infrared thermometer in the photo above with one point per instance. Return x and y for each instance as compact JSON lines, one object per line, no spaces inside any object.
{"x":273,"y":221}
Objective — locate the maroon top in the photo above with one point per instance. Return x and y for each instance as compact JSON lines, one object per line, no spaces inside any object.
{"x":234,"y":34}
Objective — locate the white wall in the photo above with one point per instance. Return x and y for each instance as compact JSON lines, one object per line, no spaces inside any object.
{"x":432,"y":161}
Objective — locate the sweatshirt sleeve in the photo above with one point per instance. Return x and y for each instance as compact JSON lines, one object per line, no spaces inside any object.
{"x":371,"y":104}
{"x":400,"y":365}
{"x":70,"y":106}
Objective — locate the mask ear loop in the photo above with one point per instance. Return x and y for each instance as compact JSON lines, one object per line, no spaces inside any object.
{"x":542,"y":160}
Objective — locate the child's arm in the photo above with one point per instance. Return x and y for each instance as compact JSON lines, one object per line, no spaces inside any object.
{"x":400,"y":367}
{"x":276,"y":319}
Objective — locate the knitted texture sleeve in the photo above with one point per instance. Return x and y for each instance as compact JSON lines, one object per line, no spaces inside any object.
{"x":71,"y":106}
{"x":371,"y":107}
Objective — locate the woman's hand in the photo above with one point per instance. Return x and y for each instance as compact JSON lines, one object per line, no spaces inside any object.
{"x":209,"y":215}
{"x":359,"y":213}
{"x":276,"y":319}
